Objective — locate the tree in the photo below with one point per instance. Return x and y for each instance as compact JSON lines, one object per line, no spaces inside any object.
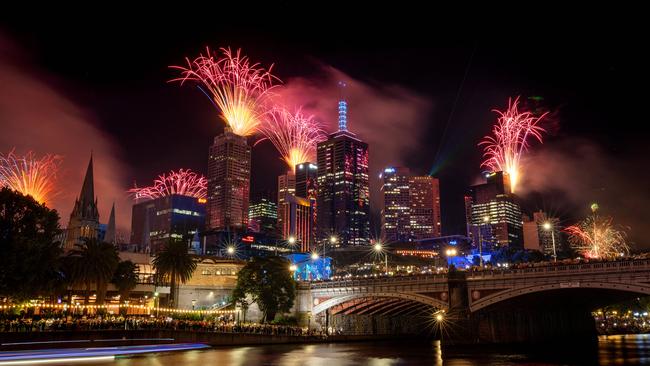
{"x":29,"y":252}
{"x":125,"y":278}
{"x":174,"y":264}
{"x":93,"y":262}
{"x":269,"y":283}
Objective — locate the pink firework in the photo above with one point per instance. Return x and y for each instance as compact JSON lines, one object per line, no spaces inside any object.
{"x":294,"y":135}
{"x":184,"y":182}
{"x":503,"y":151}
{"x":597,"y":237}
{"x":238,"y":88}
{"x":29,"y":175}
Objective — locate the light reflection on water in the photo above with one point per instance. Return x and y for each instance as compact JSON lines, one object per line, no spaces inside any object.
{"x":611,"y":350}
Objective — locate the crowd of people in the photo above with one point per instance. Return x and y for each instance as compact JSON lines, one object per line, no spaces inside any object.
{"x":219,"y":325}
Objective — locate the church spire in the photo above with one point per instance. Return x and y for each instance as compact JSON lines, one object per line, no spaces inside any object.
{"x":110,"y":229}
{"x":87,"y":194}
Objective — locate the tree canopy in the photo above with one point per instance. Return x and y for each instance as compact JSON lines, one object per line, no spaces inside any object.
{"x":29,"y":264}
{"x":268,"y":282}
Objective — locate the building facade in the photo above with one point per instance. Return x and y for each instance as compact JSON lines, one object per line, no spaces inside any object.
{"x":286,"y":189}
{"x":175,"y":217}
{"x":396,"y":213}
{"x":411,"y":206}
{"x":425,"y":207}
{"x":496,"y":217}
{"x":343,"y":195}
{"x":229,"y":167}
{"x":263,"y":216}
{"x":84,"y":219}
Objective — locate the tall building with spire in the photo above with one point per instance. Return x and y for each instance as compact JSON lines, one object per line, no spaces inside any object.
{"x":84,"y":219}
{"x":343,"y":195}
{"x":229,"y":173}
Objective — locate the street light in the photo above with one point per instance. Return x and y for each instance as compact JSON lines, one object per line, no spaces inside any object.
{"x":156,"y":300}
{"x":548,"y":226}
{"x":314,"y":256}
{"x":333,"y":241}
{"x":231,"y":250}
{"x":292,"y":240}
{"x":380,"y":248}
{"x":451,"y":252}
{"x":193,"y":303}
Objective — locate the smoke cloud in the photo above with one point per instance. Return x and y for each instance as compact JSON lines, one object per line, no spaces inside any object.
{"x":35,"y":116}
{"x":389,"y":118}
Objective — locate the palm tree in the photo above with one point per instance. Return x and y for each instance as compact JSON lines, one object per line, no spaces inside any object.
{"x":175,"y":264}
{"x":125,"y":279}
{"x":93,"y":262}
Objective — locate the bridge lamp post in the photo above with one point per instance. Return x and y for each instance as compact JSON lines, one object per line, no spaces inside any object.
{"x":451,"y":252}
{"x":156,"y":300}
{"x":380,"y":248}
{"x":292,"y":240}
{"x":548,"y":226}
{"x":314,"y":256}
{"x":230,"y":250}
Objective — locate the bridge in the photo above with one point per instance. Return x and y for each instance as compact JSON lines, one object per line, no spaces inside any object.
{"x":493,"y":305}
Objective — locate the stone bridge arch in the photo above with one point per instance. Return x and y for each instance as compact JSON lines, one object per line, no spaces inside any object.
{"x":413,"y":297}
{"x":477,"y":302}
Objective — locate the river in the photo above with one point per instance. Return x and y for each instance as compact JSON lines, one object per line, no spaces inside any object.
{"x":610,"y":350}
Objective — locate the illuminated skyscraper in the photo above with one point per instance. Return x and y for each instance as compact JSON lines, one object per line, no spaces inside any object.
{"x":425,"y":207}
{"x":229,"y":167}
{"x":306,"y":176}
{"x":343,"y":196}
{"x":286,"y":189}
{"x":496,"y":218}
{"x":296,"y":212}
{"x":411,"y":206}
{"x":396,"y":213}
{"x":170,"y":218}
{"x":264,"y":213}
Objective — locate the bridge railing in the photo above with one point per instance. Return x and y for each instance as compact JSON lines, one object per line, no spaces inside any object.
{"x":563,"y":269}
{"x":382,"y":281}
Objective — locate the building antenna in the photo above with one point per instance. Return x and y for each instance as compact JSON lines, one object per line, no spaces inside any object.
{"x":343,"y":107}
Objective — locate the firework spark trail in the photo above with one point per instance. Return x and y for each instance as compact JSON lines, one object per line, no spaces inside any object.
{"x":239,"y":89}
{"x":183,"y":182}
{"x":596,"y":237}
{"x":294,"y":135}
{"x":29,"y":175}
{"x":503,"y":151}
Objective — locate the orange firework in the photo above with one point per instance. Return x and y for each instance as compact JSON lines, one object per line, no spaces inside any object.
{"x":294,"y":135}
{"x":596,"y":237}
{"x":238,"y":88}
{"x":503,"y":151}
{"x":29,"y":175}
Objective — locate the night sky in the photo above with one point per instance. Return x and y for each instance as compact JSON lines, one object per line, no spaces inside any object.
{"x":596,"y":150}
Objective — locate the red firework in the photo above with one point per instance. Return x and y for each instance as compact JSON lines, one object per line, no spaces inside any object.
{"x":184,"y":182}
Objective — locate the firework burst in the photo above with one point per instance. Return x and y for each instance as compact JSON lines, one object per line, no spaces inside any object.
{"x":294,"y":135}
{"x":184,"y":182}
{"x":504,"y":149}
{"x":30,"y":175}
{"x":596,"y":237}
{"x":238,"y":88}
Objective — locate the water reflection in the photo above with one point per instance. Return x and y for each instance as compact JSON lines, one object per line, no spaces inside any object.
{"x":611,"y":350}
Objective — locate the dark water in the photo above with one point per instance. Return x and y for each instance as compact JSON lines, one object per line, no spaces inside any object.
{"x":611,"y":350}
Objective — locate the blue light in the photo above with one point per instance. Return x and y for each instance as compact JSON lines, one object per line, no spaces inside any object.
{"x":389,"y":170}
{"x":453,"y":242}
{"x":343,"y":118}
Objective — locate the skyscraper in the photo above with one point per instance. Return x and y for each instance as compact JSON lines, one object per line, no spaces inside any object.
{"x":425,"y":207}
{"x":229,"y":167}
{"x":343,"y":195}
{"x":411,"y":206}
{"x":173,"y":217}
{"x":84,"y":219}
{"x":306,"y":176}
{"x":496,"y":218}
{"x":286,"y":189}
{"x":306,"y":187}
{"x":396,"y":213}
{"x":296,"y":212}
{"x":264,"y":213}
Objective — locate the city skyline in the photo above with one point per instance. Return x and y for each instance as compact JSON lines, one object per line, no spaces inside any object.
{"x":202,"y":124}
